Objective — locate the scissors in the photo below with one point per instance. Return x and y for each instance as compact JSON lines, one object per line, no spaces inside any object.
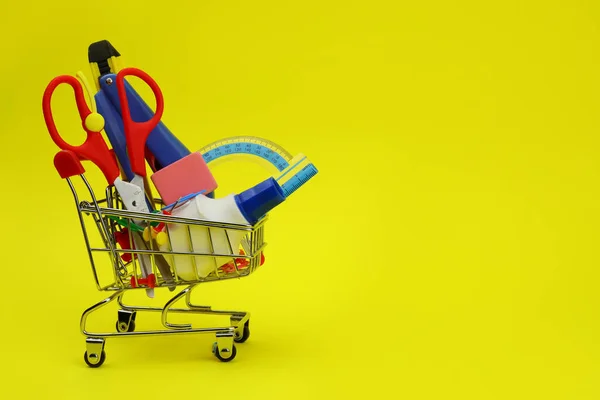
{"x":136,"y":135}
{"x":95,"y":148}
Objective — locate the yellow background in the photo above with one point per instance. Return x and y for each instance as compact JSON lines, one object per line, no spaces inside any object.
{"x":447,"y":249}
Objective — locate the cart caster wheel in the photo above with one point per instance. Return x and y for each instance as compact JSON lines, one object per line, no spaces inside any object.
{"x":124,"y":327}
{"x":94,"y":355}
{"x":224,"y":356}
{"x":126,"y":321}
{"x":93,"y":360}
{"x":244,"y":335}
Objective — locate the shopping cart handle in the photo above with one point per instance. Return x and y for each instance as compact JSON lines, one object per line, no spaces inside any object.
{"x":68,"y":164}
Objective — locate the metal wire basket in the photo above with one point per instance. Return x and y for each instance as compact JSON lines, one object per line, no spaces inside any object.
{"x":125,"y":256}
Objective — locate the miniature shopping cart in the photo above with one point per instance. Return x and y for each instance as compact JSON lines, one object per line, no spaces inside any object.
{"x":120,"y":248}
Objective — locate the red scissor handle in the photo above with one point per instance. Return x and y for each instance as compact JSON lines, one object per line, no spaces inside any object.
{"x":68,"y":164}
{"x":94,"y":148}
{"x":136,"y":133}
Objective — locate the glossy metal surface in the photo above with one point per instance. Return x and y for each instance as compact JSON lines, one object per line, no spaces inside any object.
{"x":98,"y":216}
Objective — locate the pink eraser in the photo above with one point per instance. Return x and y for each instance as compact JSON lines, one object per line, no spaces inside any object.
{"x":185,"y":176}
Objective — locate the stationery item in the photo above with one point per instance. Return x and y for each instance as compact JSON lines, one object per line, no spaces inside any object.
{"x":243,"y":208}
{"x":185,"y":176}
{"x":68,"y":164}
{"x":294,"y":171}
{"x":128,"y":141}
{"x":296,"y":174}
{"x":104,"y":59}
{"x":161,"y":263}
{"x":127,"y":224}
{"x":164,"y":148}
{"x":115,"y":131}
{"x":136,"y":134}
{"x":252,"y":145}
{"x":161,"y":143}
{"x":239,"y":263}
{"x":95,"y":149}
{"x":182,"y":200}
{"x":157,"y":232}
{"x":150,"y":281}
{"x":122,"y":238}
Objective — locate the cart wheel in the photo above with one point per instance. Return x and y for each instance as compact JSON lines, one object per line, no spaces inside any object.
{"x":93,"y":361}
{"x":223,"y":357}
{"x":123,"y":327}
{"x":245,"y":333}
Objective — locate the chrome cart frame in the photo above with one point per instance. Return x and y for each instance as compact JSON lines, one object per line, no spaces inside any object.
{"x":110,"y":219}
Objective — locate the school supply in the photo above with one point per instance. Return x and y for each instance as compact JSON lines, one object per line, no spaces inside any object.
{"x":182,"y":239}
{"x":245,"y":208}
{"x":166,"y":155}
{"x":164,"y":148}
{"x":95,"y":149}
{"x":296,"y":174}
{"x":185,"y":176}
{"x":294,"y":171}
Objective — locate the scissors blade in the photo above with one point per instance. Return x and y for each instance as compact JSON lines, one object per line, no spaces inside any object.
{"x":133,"y":194}
{"x":134,"y":198}
{"x":145,"y":261}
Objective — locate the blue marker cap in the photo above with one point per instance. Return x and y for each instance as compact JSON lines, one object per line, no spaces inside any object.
{"x":255,"y":202}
